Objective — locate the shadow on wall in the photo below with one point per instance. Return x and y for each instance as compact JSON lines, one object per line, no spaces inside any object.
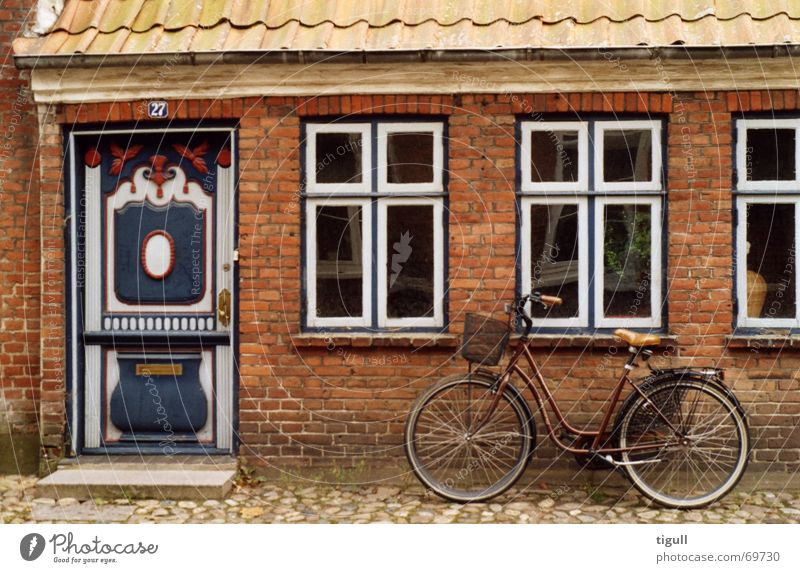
{"x":19,"y":451}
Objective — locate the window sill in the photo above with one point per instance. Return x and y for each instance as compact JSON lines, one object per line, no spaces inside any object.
{"x":583,"y":341}
{"x":453,"y":341}
{"x":771,"y":341}
{"x":406,"y":340}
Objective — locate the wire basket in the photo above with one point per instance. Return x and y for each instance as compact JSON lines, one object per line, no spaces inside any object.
{"x":485,"y":339}
{"x":669,"y":402}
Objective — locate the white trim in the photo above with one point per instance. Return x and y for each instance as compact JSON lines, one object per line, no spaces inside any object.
{"x":438,"y":264}
{"x":654,"y":321}
{"x":311,"y":263}
{"x":223,"y":401}
{"x":224,"y":239}
{"x":93,"y":255}
{"x":312,"y":129}
{"x":582,"y":320}
{"x":582,"y":184}
{"x":742,"y":125}
{"x":384,"y":129}
{"x":149,"y":130}
{"x":742,"y":320}
{"x":77,"y":423}
{"x":92,"y":393}
{"x":601,"y":127}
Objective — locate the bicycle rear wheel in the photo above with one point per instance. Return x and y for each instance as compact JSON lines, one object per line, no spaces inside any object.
{"x":703,"y":461}
{"x":454,"y":460}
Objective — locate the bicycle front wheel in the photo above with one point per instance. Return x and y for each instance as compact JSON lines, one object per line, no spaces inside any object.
{"x":701,"y":460}
{"x":451,"y":455}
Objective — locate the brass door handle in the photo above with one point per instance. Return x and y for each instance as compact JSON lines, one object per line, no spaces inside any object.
{"x":224,"y":307}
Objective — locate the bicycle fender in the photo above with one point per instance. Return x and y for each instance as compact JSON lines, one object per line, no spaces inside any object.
{"x":708,"y":376}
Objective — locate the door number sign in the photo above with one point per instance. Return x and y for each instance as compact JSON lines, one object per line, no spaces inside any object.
{"x":158,"y":109}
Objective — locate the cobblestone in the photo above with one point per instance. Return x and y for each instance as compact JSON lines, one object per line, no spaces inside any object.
{"x":331,"y":503}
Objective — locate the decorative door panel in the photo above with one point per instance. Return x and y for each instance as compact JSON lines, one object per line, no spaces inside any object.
{"x":158,"y":396}
{"x":157,"y":298}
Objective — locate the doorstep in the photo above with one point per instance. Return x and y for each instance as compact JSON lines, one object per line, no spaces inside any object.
{"x":140,"y":477}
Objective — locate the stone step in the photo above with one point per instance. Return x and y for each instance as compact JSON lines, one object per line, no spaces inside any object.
{"x":124,"y":477}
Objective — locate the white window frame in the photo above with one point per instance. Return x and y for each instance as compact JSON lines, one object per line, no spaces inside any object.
{"x":600,"y":127}
{"x":366,"y":263}
{"x":742,"y":125}
{"x":384,"y":129}
{"x":654,"y":321}
{"x":438,"y":264}
{"x":312,"y":187}
{"x":582,"y":184}
{"x":742,"y":320}
{"x":582,"y":320}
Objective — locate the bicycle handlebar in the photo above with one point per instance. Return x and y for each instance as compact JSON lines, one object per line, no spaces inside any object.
{"x":544,"y":299}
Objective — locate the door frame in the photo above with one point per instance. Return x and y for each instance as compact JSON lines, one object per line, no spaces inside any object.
{"x":75,"y":287}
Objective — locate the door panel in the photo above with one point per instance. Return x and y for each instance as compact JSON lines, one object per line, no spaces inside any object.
{"x":158,"y":251}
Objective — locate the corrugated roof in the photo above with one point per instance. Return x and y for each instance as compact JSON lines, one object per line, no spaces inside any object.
{"x":108,"y":27}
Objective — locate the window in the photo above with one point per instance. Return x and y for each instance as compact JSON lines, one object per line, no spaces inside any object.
{"x":374,"y":225}
{"x":591,"y":218}
{"x":767,"y":216}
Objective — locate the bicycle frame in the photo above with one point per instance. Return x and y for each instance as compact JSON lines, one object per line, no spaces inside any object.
{"x":523,"y":350}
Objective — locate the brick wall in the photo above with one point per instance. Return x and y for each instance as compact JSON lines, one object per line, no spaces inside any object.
{"x":19,"y":255}
{"x":305,"y":402}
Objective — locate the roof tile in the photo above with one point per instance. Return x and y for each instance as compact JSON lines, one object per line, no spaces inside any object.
{"x":137,"y":26}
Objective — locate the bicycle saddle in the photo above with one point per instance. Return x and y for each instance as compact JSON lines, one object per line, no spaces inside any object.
{"x":638,"y":339}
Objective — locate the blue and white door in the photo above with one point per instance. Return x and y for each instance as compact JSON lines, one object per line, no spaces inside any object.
{"x":153,"y":296}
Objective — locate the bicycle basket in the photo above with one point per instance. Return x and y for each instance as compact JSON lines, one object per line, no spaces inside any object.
{"x":485,"y":339}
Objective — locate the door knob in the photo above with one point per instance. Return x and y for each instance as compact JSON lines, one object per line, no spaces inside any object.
{"x":224,"y":307}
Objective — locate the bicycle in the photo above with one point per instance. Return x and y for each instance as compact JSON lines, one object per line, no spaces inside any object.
{"x":681,"y":436}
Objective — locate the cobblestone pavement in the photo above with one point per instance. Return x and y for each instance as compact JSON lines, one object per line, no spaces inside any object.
{"x":327,"y":503}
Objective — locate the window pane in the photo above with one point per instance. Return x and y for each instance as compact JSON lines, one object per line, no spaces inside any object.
{"x":627,"y":261}
{"x":770,"y":154}
{"x":339,"y":270}
{"x":554,"y":156}
{"x":627,"y":155}
{"x":339,"y":157}
{"x":410,"y":157}
{"x":770,"y":261}
{"x":409,"y":261}
{"x":555,"y":258}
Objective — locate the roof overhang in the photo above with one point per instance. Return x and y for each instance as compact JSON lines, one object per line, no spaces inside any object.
{"x":80,"y":60}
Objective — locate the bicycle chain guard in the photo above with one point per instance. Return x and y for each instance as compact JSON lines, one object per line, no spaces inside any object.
{"x":587,"y":461}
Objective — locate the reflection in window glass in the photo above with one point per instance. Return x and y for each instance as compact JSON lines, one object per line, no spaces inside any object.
{"x":554,"y":156}
{"x":770,"y":154}
{"x":338,"y":157}
{"x":409,"y":261}
{"x":627,"y":155}
{"x":410,"y":157}
{"x":770,"y":260}
{"x":627,"y":263}
{"x":555,"y":258}
{"x":339,"y":270}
